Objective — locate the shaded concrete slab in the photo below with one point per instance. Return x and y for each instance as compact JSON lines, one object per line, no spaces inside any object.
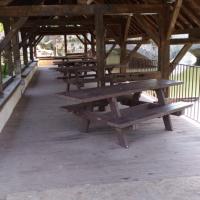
{"x":167,"y":189}
{"x":42,"y":147}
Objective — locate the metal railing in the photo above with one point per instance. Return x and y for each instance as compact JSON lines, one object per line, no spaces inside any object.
{"x":189,"y":91}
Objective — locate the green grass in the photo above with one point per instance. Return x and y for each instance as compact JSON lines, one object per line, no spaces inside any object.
{"x":1,"y":27}
{"x":191,"y":87}
{"x":4,"y":70}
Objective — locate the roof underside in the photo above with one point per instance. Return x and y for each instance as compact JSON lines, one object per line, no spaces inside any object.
{"x":188,"y":19}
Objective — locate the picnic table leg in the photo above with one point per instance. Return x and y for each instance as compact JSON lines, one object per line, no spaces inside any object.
{"x":166,"y":118}
{"x":120,"y":132}
{"x":85,"y":125}
{"x":86,"y":122}
{"x":122,"y":138}
{"x":68,"y":77}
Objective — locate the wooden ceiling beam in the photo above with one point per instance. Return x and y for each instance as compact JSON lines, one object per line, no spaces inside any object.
{"x":185,"y":41}
{"x":68,"y":10}
{"x":127,"y":27}
{"x":68,"y":21}
{"x":5,"y":2}
{"x":174,"y":17}
{"x":179,"y":56}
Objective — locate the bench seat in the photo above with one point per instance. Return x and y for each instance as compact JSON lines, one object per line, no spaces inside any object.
{"x":131,"y":115}
{"x":143,"y":112}
{"x":136,"y":114}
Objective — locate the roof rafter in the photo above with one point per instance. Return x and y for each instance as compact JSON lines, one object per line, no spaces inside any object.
{"x":174,"y":18}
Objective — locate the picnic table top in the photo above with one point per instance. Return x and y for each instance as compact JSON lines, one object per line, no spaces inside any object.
{"x":74,"y":61}
{"x":95,"y":94}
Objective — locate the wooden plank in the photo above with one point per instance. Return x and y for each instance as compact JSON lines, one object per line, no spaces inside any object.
{"x":174,"y":17}
{"x":63,"y":10}
{"x":107,"y":92}
{"x":12,"y":32}
{"x":136,"y":114}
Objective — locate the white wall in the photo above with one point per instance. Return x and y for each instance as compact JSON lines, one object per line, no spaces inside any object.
{"x":9,"y":106}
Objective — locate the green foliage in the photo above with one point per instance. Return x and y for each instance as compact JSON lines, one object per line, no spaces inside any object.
{"x":4,"y":70}
{"x":1,"y":27}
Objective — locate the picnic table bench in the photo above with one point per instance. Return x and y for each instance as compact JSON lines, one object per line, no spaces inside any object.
{"x":121,"y":119}
{"x":124,"y":118}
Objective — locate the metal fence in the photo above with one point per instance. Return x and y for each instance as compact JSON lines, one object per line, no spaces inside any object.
{"x":189,"y":91}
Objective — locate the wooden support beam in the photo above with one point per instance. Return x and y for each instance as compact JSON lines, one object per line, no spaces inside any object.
{"x":164,"y":45}
{"x":100,"y":47}
{"x":110,"y":50}
{"x":135,"y":49}
{"x":179,"y":56}
{"x":8,"y":52}
{"x":93,"y":45}
{"x":85,"y":44}
{"x":16,"y":54}
{"x":39,"y":40}
{"x":80,"y":39}
{"x":174,"y":18}
{"x":31,"y":48}
{"x":128,"y":23}
{"x":69,"y":21}
{"x":124,"y":36}
{"x":68,"y":10}
{"x":1,"y":78}
{"x":65,"y":43}
{"x":12,"y":32}
{"x":185,"y":41}
{"x":24,"y":48}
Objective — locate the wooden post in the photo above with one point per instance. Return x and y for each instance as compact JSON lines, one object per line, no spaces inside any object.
{"x":65,"y":43}
{"x":124,"y":35}
{"x":31,"y":48}
{"x":24,"y":47}
{"x":85,"y":44}
{"x":92,"y":45}
{"x":16,"y":54}
{"x":122,"y":56}
{"x":164,"y":44}
{"x":100,"y":47}
{"x":8,"y":52}
{"x":1,"y":78}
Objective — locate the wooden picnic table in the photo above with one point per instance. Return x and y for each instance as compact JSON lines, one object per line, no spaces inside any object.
{"x":75,"y":62}
{"x":79,"y":74}
{"x":83,"y":102}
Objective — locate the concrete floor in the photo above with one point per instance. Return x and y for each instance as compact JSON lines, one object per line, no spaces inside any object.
{"x":44,"y":156}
